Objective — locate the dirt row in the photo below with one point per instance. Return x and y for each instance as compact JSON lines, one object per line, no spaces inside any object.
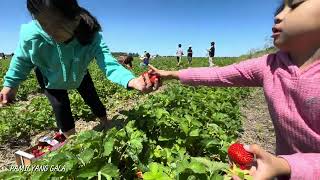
{"x":257,"y":124}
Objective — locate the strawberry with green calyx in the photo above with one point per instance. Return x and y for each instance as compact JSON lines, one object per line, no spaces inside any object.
{"x":240,"y":156}
{"x":235,"y":171}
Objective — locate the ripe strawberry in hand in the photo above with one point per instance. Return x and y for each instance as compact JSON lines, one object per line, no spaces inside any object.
{"x":153,"y":78}
{"x":240,"y":156}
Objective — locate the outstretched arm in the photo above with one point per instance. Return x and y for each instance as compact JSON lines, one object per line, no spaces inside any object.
{"x":20,"y":66}
{"x":19,"y":69}
{"x":247,"y":73}
{"x":114,"y":71}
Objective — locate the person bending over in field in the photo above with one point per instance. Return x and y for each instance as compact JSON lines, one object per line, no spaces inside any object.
{"x":60,"y":43}
{"x":126,"y":61}
{"x":291,"y":82}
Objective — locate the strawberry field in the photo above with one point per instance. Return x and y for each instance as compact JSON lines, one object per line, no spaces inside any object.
{"x":179,"y":132}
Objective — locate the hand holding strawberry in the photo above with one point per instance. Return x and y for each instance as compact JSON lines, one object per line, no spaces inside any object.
{"x":146,"y":82}
{"x":154,"y":78}
{"x":163,"y":73}
{"x":267,"y":166}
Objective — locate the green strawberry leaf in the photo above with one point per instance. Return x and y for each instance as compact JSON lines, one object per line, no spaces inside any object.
{"x":197,"y":167}
{"x":110,"y":170}
{"x":86,"y":156}
{"x":108,"y":146}
{"x":194,"y":132}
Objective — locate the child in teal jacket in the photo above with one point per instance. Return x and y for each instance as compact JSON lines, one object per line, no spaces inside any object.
{"x":60,"y":43}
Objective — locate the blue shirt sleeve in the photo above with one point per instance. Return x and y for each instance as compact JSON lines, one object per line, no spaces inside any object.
{"x":114,"y":71}
{"x":20,"y":65}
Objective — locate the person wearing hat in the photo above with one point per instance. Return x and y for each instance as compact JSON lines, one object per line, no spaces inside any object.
{"x":190,"y":55}
{"x":211,"y":54}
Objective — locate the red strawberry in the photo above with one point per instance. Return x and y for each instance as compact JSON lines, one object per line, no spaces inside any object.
{"x":41,"y":153}
{"x":240,"y":156}
{"x":34,"y":151}
{"x":152,"y":77}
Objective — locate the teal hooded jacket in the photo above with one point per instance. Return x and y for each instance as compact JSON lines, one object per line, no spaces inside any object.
{"x":63,"y":66}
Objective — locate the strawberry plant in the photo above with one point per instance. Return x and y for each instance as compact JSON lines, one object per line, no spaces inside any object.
{"x":32,"y":117}
{"x":181,"y":133}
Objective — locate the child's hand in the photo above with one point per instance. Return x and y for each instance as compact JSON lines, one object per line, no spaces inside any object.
{"x":143,"y":84}
{"x":7,"y":95}
{"x":268,"y":166}
{"x":163,"y":74}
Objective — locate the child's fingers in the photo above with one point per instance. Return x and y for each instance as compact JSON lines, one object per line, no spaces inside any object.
{"x":156,"y":84}
{"x":253,"y":170}
{"x":152,"y":68}
{"x":147,"y":81}
{"x":4,"y":99}
{"x":255,"y":149}
{"x":155,"y":71}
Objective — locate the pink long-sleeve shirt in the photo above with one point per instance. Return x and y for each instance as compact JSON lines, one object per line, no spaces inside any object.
{"x":293,"y":98}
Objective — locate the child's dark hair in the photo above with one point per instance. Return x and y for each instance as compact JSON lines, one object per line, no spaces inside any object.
{"x":70,"y":10}
{"x":212,"y":43}
{"x":179,"y":45}
{"x":148,"y":55}
{"x":128,"y":59}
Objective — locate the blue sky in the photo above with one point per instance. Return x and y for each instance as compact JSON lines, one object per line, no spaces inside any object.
{"x":157,"y":26}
